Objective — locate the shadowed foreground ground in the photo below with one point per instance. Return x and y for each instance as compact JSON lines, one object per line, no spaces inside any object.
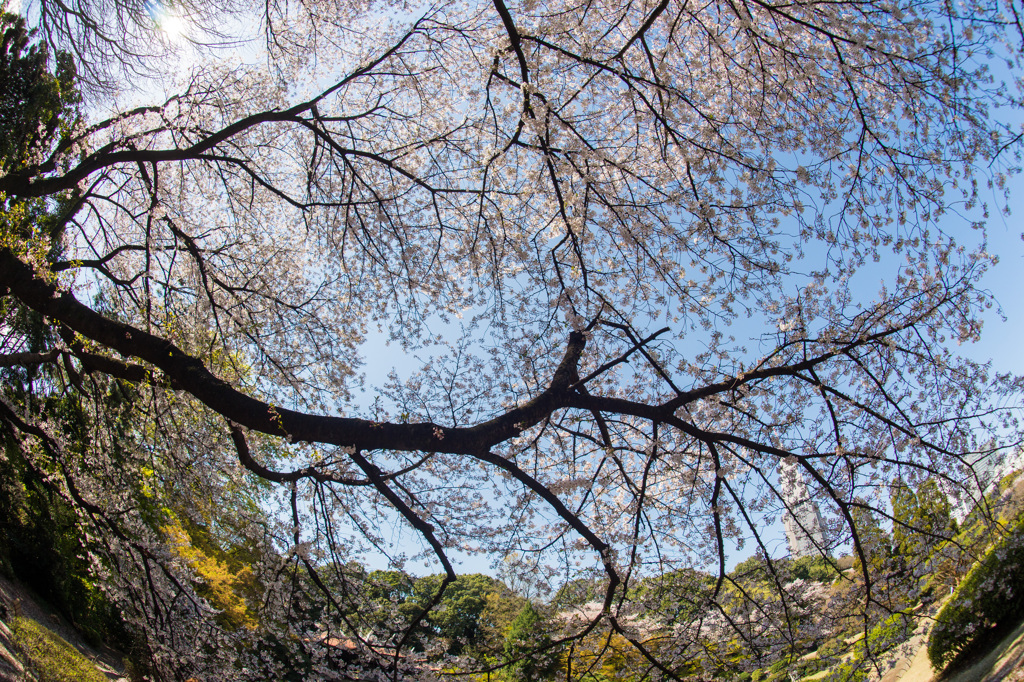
{"x":1004,"y":663}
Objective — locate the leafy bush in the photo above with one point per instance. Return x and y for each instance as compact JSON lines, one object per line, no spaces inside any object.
{"x":815,"y":568}
{"x":50,"y":656}
{"x":850,"y":671}
{"x":992,"y":593}
{"x":891,"y":632}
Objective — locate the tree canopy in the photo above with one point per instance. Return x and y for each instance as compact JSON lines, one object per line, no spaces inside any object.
{"x":636,"y":248}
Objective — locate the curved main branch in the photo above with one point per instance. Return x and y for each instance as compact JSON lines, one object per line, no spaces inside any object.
{"x":190,"y":374}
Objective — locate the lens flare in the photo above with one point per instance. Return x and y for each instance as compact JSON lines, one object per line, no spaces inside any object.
{"x":167,"y":19}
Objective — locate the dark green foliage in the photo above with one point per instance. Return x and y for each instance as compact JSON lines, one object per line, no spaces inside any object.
{"x":389,"y":586}
{"x":457,"y":619}
{"x":37,"y":108}
{"x":756,"y":570}
{"x":922,"y":530}
{"x":780,"y":665}
{"x":831,"y":652}
{"x":461,"y":618}
{"x":752,"y":568}
{"x":39,"y":112}
{"x":522,"y":630}
{"x":42,"y":547}
{"x":42,"y":535}
{"x":990,"y":595}
{"x":42,"y":531}
{"x":525,"y":647}
{"x":815,"y":568}
{"x":891,"y":632}
{"x":471,"y":619}
{"x":875,"y":543}
{"x":921,"y":519}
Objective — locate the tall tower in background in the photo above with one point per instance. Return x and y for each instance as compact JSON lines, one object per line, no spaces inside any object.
{"x":804,"y":529}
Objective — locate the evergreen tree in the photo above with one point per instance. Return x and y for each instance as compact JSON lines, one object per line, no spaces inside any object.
{"x":527,"y":647}
{"x":923,"y":530}
{"x":921,"y":519}
{"x":37,"y":108}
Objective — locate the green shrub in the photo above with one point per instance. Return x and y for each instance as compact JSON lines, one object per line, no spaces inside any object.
{"x":891,"y":632}
{"x":832,"y":649}
{"x":815,"y":568}
{"x":850,"y":671}
{"x":50,"y":656}
{"x":992,"y":593}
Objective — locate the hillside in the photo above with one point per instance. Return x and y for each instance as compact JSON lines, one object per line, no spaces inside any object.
{"x":38,"y":645}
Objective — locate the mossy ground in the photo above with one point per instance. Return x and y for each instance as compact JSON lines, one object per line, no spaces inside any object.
{"x":50,"y":656}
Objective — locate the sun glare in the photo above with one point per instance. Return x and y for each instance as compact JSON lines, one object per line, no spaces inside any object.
{"x":167,"y":19}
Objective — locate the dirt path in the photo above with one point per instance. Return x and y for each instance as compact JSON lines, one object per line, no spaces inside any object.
{"x":1005,"y":663}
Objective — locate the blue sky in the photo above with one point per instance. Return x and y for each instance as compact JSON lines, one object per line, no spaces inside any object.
{"x":1000,"y":343}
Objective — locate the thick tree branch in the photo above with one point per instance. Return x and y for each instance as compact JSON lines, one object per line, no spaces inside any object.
{"x":190,"y":374}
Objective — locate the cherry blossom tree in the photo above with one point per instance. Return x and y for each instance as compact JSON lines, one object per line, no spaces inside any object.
{"x":637,"y":247}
